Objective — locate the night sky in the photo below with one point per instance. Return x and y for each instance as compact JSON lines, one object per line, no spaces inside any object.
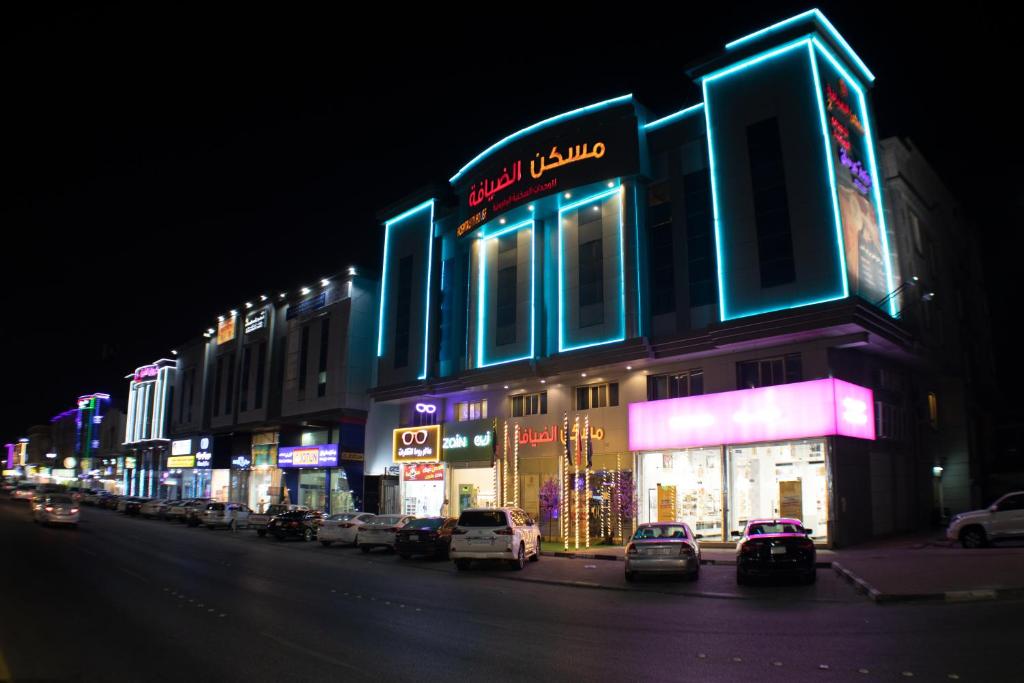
{"x":164,"y":165}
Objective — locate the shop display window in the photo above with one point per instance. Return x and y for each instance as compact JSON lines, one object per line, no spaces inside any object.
{"x":685,"y":486}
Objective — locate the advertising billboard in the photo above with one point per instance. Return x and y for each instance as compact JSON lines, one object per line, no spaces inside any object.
{"x":226,"y":330}
{"x":324,"y":455}
{"x":417,"y":444}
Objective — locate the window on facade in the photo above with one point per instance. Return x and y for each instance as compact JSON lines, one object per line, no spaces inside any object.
{"x":229,"y":393}
{"x":700,"y":240}
{"x":890,"y":421}
{"x":218,"y":377}
{"x":471,"y":410}
{"x":933,"y":410}
{"x":243,"y":392}
{"x":674,"y":385}
{"x":505,"y":322}
{"x":181,"y":396}
{"x":915,"y":232}
{"x":191,"y":391}
{"x":261,"y":365}
{"x":447,"y":308}
{"x":529,"y":404}
{"x":303,"y":358}
{"x":660,"y":249}
{"x":766,"y":372}
{"x":771,"y":205}
{"x":403,"y":312}
{"x":591,"y":265}
{"x":321,"y":376}
{"x":597,"y":396}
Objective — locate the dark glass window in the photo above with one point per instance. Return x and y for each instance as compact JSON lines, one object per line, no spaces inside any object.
{"x":229,"y":393}
{"x":321,"y":377}
{"x":700,"y":239}
{"x":403,"y":312}
{"x":766,"y":372}
{"x":659,"y":242}
{"x":303,"y":357}
{"x":191,"y":391}
{"x":243,"y":392}
{"x":529,"y":404}
{"x":261,"y":368}
{"x":771,"y":205}
{"x":181,"y":396}
{"x":675,"y":385}
{"x":505,"y":323}
{"x":591,"y":266}
{"x":218,"y":376}
{"x":597,"y":396}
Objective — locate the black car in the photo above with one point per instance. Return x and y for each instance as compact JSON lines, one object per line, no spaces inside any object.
{"x":775,"y":547}
{"x":132,"y":506}
{"x":425,"y":536}
{"x":301,"y":524}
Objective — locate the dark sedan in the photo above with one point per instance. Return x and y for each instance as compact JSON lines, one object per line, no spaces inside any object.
{"x":425,"y":536}
{"x":301,"y":524}
{"x":775,"y":547}
{"x":132,"y":506}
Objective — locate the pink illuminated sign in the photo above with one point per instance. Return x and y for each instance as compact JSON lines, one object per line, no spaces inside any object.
{"x":821,"y":407}
{"x":146,"y":372}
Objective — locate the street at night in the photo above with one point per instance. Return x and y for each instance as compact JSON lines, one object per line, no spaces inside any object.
{"x":166,"y":600}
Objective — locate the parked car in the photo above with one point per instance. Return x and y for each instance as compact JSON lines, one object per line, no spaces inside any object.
{"x":193,"y":510}
{"x":56,"y":508}
{"x":506,"y":533}
{"x":425,"y":536}
{"x":775,"y":547}
{"x":260,"y":520}
{"x":110,"y":502}
{"x":1002,"y":520}
{"x":93,"y":497}
{"x":301,"y":524}
{"x":155,"y":508}
{"x":343,"y":527}
{"x":175,"y":511}
{"x":231,"y":515}
{"x":132,"y":505}
{"x":663,"y":548}
{"x":24,"y":492}
{"x":379,"y":532}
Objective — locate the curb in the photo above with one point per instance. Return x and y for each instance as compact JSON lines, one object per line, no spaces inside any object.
{"x":827,"y":564}
{"x":879,"y":597}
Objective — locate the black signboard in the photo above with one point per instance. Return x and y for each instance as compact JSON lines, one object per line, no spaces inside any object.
{"x":318,"y":301}
{"x":577,"y":151}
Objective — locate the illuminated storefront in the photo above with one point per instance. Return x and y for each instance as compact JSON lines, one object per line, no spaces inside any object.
{"x":189,"y":472}
{"x":318,"y":475}
{"x":717,"y":460}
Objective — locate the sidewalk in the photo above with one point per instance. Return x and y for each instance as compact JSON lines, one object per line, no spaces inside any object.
{"x":712,"y":556}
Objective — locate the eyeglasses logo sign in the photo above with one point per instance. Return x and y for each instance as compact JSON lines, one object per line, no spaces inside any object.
{"x":417,"y":444}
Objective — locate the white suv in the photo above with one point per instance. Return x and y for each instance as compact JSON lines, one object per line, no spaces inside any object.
{"x":508,"y":534}
{"x":1004,"y":519}
{"x":231,"y":515}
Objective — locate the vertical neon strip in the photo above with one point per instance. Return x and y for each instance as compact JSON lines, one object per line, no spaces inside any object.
{"x":636,"y":249}
{"x":830,"y":164}
{"x":622,"y":264}
{"x":383,"y":295}
{"x":130,"y":420}
{"x":430,"y":266}
{"x":877,"y":185}
{"x":481,"y":295}
{"x":533,"y":292}
{"x":716,"y":221}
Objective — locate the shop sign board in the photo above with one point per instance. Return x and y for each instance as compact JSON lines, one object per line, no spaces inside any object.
{"x":423,"y":471}
{"x":467,"y":441}
{"x":324,"y":455}
{"x":822,"y":407}
{"x":181,"y":461}
{"x":417,"y":444}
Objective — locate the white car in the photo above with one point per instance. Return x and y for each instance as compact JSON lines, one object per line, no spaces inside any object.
{"x":56,"y":509}
{"x":24,"y":492}
{"x":508,"y":534}
{"x":343,"y":527}
{"x":379,"y":532}
{"x":153,"y":508}
{"x":1003,"y":520}
{"x":231,"y":515}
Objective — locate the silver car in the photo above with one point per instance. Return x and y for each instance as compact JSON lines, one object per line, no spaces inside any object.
{"x":56,"y":509}
{"x":663,"y":548}
{"x":379,"y":532}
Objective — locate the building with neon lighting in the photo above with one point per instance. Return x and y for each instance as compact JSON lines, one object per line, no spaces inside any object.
{"x":611,"y":286}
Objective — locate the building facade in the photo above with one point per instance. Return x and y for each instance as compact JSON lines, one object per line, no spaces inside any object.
{"x":610,"y":318}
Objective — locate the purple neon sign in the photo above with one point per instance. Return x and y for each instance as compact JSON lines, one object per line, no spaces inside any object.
{"x":821,"y":407}
{"x":325,"y":455}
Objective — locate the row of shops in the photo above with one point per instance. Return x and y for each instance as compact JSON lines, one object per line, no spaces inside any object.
{"x":714,"y":461}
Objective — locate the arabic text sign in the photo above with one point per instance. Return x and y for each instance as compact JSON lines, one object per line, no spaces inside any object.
{"x":181,"y":461}
{"x":417,"y":444}
{"x":423,"y":471}
{"x":325,"y":455}
{"x":468,"y":441}
{"x":822,"y":407}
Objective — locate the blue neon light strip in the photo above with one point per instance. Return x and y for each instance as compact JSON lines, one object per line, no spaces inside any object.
{"x":636,"y":250}
{"x":830,"y":164}
{"x":430,"y":266}
{"x":654,"y":125}
{"x":877,"y":185}
{"x":829,"y":28}
{"x":561,"y":277}
{"x":537,"y":126}
{"x":384,"y":280}
{"x":482,"y":293}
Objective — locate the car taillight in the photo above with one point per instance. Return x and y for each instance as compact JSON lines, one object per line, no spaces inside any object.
{"x":49,"y":508}
{"x":74,"y":510}
{"x":293,"y":524}
{"x":749,"y":548}
{"x":685,"y":549}
{"x":805,"y":544}
{"x":631,"y":550}
{"x":507,"y":531}
{"x":458,"y":531}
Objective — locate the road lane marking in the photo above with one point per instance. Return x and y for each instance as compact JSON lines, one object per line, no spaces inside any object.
{"x":312,"y":653}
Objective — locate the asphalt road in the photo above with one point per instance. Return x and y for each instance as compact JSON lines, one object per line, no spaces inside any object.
{"x":125,"y":599}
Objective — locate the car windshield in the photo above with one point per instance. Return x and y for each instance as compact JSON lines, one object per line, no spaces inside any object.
{"x":387,"y":520}
{"x":215,"y":506}
{"x":60,"y":500}
{"x":659,"y":532}
{"x":294,"y":514}
{"x":484,"y":518}
{"x":763,"y":528}
{"x":425,"y":523}
{"x":277,"y":509}
{"x":343,"y":517}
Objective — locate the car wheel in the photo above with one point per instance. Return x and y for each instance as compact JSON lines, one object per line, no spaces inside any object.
{"x":694,"y":575}
{"x":973,"y":537}
{"x":365,"y":548}
{"x":325,"y":544}
{"x":462,"y":565}
{"x":630,"y":576}
{"x":520,"y":561}
{"x":536,"y":553}
{"x":307,"y":535}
